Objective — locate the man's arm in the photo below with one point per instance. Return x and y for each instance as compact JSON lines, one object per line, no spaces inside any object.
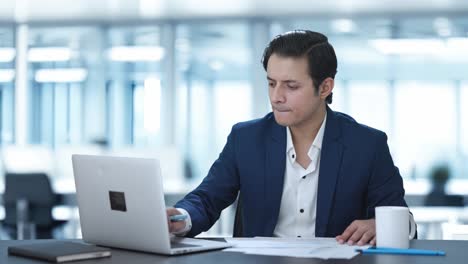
{"x":385,"y":188}
{"x":218,"y":190}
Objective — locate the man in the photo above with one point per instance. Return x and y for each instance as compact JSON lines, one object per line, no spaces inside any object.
{"x":303,"y":170}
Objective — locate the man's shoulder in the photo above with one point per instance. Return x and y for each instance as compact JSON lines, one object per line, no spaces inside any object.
{"x":353,"y":128}
{"x":255,"y":124}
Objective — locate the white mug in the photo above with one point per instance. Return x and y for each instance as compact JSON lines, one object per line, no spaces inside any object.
{"x":393,"y":226}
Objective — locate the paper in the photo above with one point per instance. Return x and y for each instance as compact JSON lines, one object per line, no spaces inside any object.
{"x":322,"y":248}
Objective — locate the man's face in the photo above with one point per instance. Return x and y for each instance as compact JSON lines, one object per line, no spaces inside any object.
{"x":293,"y":96}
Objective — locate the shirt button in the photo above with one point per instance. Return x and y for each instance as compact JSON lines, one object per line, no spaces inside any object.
{"x":293,"y":156}
{"x":303,"y":177}
{"x":302,"y":210}
{"x":298,"y":236}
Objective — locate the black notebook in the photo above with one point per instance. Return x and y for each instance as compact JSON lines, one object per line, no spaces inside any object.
{"x":59,"y":251}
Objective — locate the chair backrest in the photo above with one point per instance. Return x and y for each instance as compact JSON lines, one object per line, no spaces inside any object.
{"x":238,"y":230}
{"x":35,"y":188}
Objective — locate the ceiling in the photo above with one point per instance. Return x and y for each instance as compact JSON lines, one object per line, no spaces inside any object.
{"x":118,"y":10}
{"x":229,"y":42}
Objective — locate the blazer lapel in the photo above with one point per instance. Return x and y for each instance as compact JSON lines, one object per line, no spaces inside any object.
{"x":274,"y":176}
{"x":330,"y":164}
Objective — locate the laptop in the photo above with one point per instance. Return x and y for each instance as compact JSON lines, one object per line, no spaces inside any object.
{"x":121,"y":204}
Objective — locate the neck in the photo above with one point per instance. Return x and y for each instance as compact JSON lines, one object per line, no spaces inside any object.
{"x":305,"y":132}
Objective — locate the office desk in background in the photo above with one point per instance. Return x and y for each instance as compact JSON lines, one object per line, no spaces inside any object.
{"x":68,"y":211}
{"x":455,"y":250}
{"x":430,"y":219}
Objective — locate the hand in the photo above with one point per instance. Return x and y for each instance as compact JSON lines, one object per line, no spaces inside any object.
{"x":174,"y":227}
{"x":360,"y":232}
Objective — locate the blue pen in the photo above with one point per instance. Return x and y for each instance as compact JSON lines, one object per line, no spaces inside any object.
{"x":401,"y":251}
{"x":177,"y":218}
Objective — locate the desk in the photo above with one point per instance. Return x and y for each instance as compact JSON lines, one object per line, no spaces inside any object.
{"x":456,"y":253}
{"x":431,"y":218}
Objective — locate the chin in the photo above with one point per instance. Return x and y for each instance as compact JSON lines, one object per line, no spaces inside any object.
{"x":281,"y":120}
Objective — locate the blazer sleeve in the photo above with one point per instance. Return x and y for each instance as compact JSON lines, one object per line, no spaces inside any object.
{"x":385,"y":186}
{"x":217,"y":191}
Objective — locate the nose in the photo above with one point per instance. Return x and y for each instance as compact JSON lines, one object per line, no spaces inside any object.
{"x":277,"y":94}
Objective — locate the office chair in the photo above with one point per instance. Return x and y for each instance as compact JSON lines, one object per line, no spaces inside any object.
{"x":238,"y":223}
{"x":35,"y":190}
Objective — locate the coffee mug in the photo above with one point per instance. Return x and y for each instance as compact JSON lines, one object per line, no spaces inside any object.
{"x":393,"y":226}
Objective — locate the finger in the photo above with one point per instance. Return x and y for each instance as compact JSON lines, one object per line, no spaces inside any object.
{"x":172,"y":211}
{"x":348,"y":232}
{"x":366,"y":237}
{"x":356,"y":236}
{"x":176,"y":226}
{"x":373,"y":241}
{"x":339,"y":239}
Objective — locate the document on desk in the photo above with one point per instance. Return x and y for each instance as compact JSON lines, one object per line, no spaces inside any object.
{"x":322,"y":248}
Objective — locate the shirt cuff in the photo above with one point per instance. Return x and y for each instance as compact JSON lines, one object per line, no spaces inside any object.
{"x":188,"y":223}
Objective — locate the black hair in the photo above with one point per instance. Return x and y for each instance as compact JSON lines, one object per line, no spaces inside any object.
{"x":320,"y":54}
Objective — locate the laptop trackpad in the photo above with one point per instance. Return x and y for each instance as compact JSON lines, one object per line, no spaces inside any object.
{"x":175,"y":245}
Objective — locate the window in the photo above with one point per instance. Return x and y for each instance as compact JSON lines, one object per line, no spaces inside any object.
{"x":136,"y":91}
{"x":7,"y":78}
{"x":425,"y":129}
{"x":231,"y":107}
{"x":60,"y":66}
{"x":464,"y":130}
{"x":369,"y":104}
{"x":214,"y":91}
{"x":339,"y":100}
{"x":147,"y":112}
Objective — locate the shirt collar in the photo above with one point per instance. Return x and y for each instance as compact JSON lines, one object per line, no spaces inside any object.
{"x":317,"y":141}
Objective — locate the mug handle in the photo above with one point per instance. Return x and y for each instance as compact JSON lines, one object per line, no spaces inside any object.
{"x":412,"y":225}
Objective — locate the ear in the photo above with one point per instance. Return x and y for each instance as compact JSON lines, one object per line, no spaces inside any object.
{"x":326,"y":87}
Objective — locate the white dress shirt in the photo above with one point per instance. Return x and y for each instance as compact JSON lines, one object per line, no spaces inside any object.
{"x":299,"y":199}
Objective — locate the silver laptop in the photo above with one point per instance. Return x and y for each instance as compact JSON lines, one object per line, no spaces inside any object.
{"x":121,"y":204}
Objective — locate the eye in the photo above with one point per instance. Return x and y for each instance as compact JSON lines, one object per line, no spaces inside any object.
{"x":293,"y":87}
{"x":271,"y":84}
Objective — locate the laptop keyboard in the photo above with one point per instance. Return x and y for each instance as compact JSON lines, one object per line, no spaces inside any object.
{"x":182,"y":245}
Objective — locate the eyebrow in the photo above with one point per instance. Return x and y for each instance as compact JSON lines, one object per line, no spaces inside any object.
{"x":286,"y":81}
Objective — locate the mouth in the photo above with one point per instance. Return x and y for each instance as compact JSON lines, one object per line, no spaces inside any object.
{"x":281,"y":110}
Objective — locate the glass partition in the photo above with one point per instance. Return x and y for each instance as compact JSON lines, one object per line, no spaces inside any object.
{"x":213,"y":65}
{"x":7,"y":79}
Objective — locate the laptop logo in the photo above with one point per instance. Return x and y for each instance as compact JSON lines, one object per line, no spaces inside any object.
{"x":117,"y":201}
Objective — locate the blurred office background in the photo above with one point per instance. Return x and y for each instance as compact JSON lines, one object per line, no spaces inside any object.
{"x":168,"y":79}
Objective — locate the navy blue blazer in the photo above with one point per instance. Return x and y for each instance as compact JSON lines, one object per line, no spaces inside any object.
{"x":356,"y":175}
